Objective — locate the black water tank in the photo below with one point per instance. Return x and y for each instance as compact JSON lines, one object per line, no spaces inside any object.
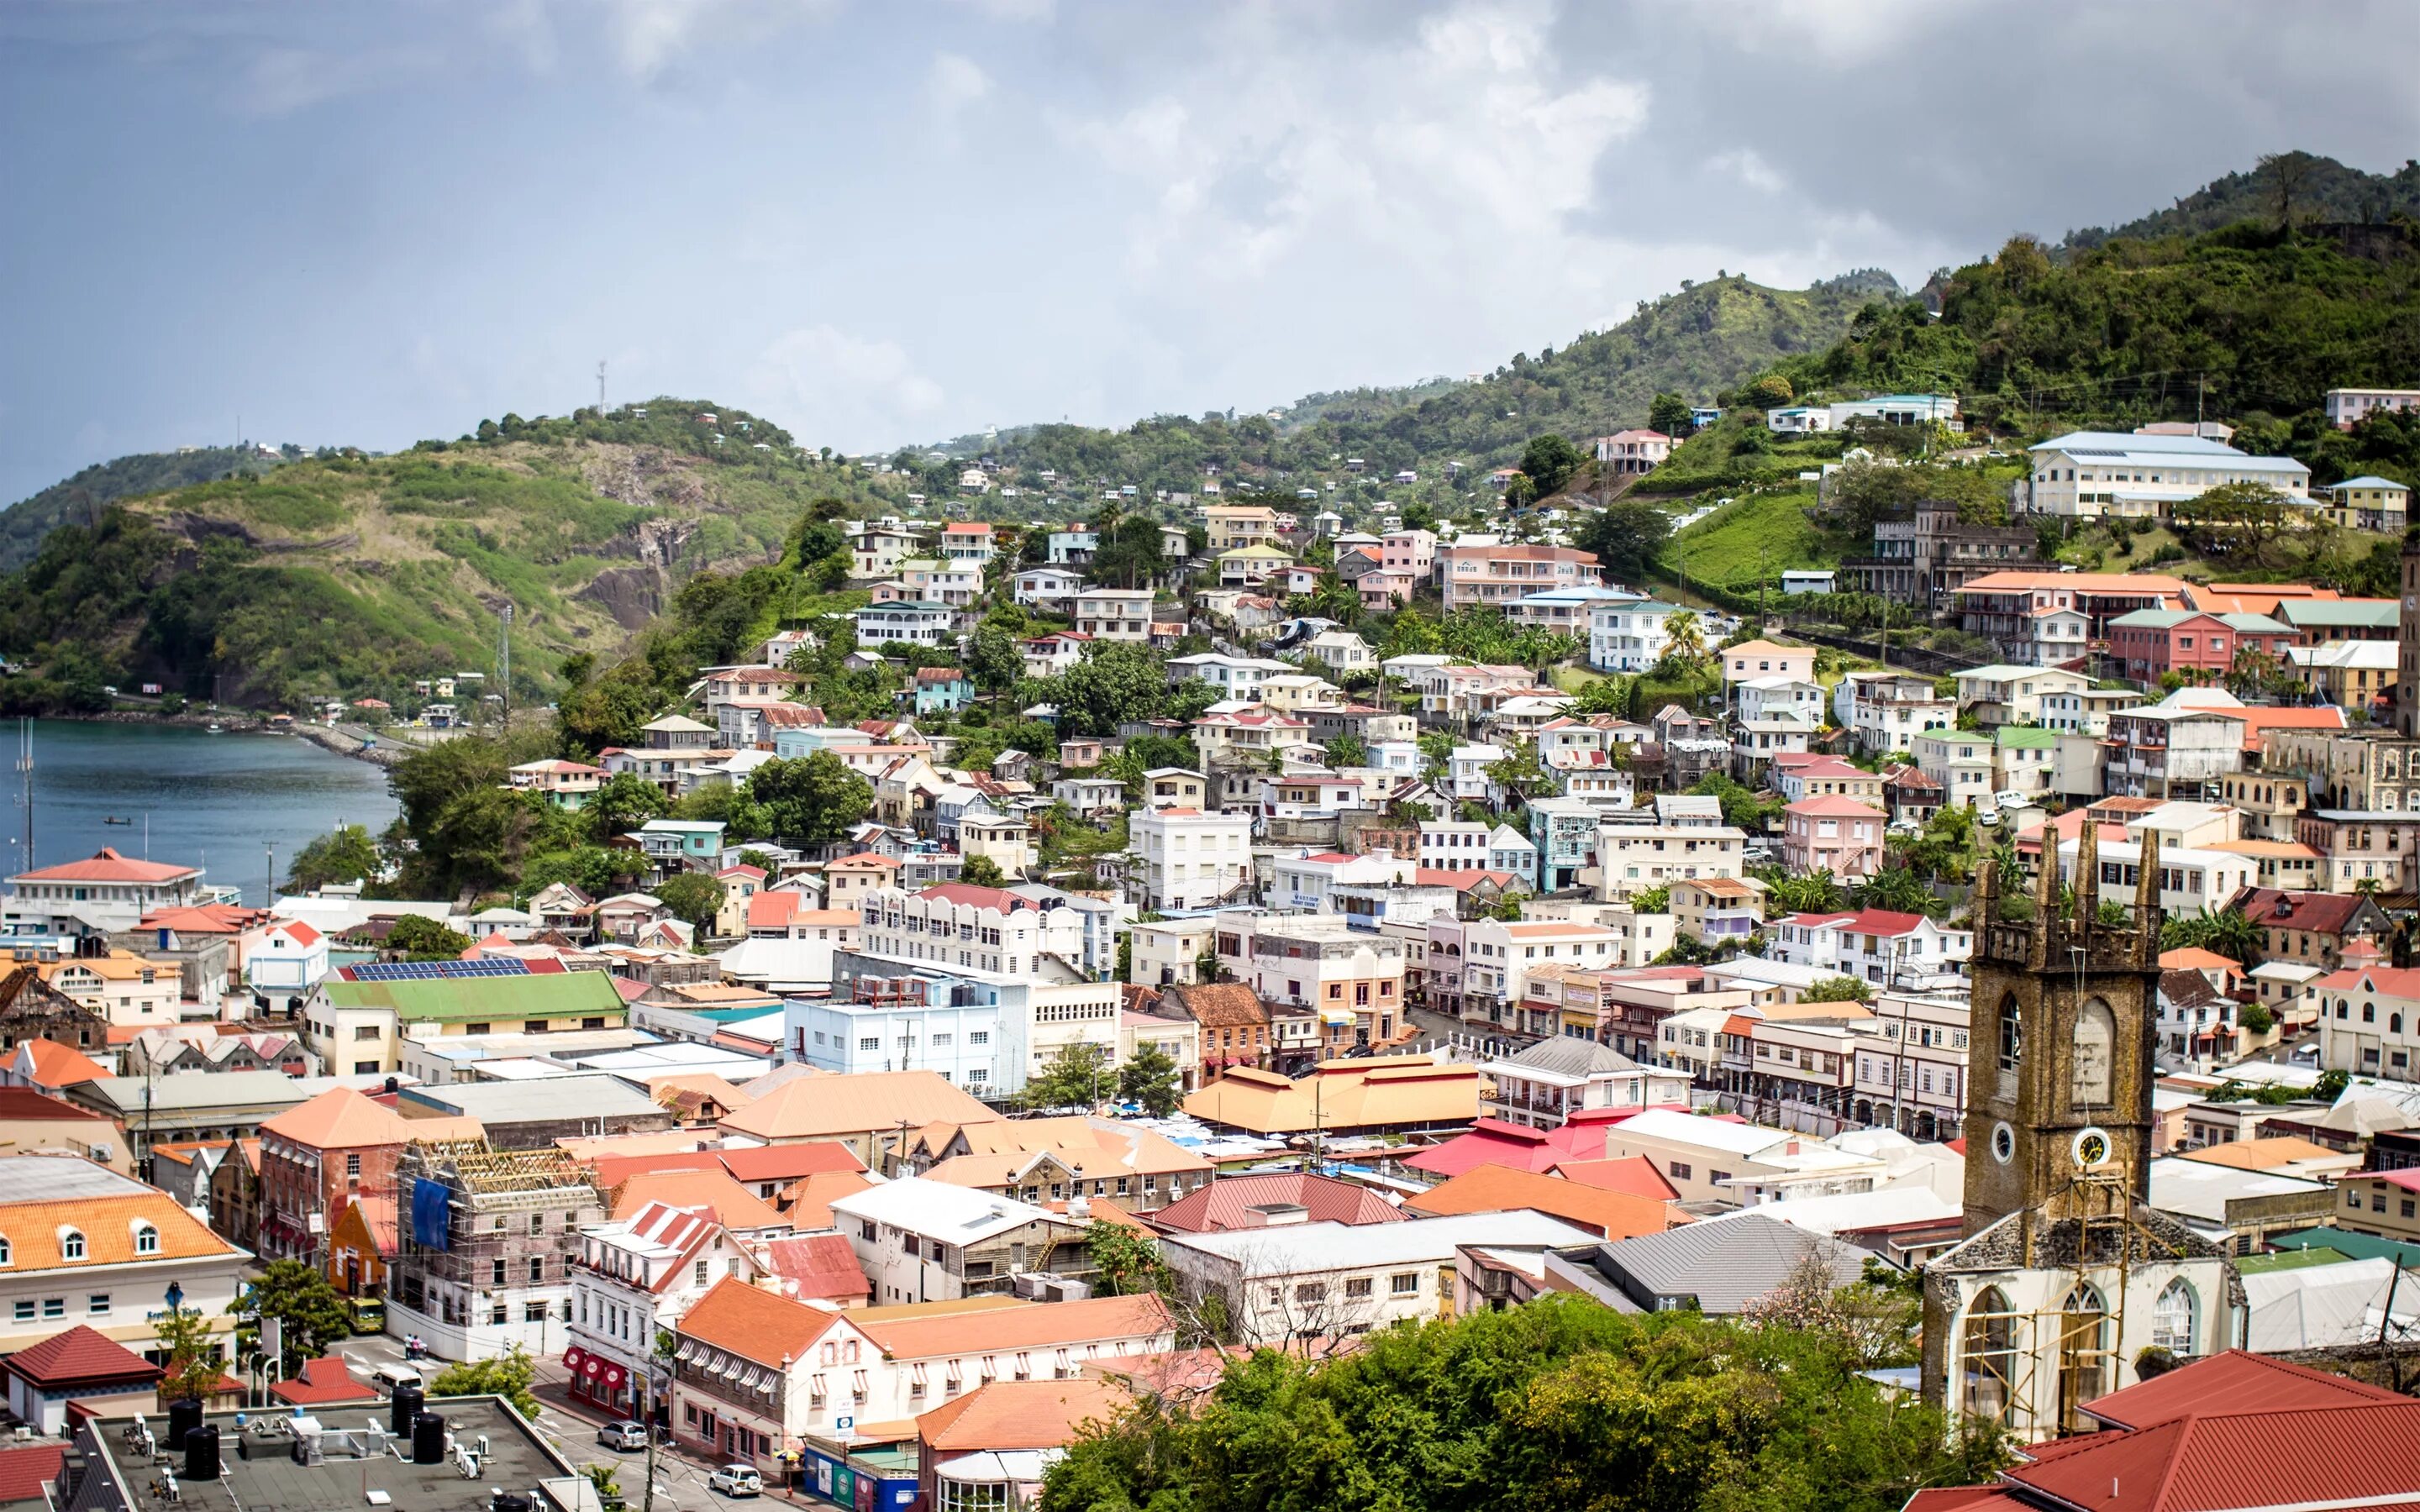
{"x":202,"y":1453}
{"x":403,"y":1409}
{"x":507,"y":1501}
{"x":428,"y":1439}
{"x":184,"y":1415}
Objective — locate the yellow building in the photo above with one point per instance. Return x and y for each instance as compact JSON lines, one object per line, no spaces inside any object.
{"x":2369,"y":503}
{"x":127,"y":988}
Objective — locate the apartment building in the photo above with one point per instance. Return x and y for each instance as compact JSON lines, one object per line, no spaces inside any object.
{"x":485,"y":1247}
{"x":1873,"y":944}
{"x":1837,"y":835}
{"x":1884,"y":711}
{"x":1497,"y":574}
{"x":919,"y":1240}
{"x":2049,"y":619}
{"x":2007,"y":694}
{"x":1114,"y":614}
{"x":1633,"y":857}
{"x":2088,"y":475}
{"x":1190,"y":859}
{"x":1920,"y":559}
{"x":1351,"y":977}
{"x":1477,"y":969}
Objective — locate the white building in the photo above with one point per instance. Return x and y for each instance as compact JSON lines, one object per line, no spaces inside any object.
{"x":105,"y":893}
{"x":1191,"y":859}
{"x":639,"y":1274}
{"x":1236,"y":677}
{"x":1114,"y":614}
{"x":903,"y":1231}
{"x":1634,"y":858}
{"x":904,"y":622}
{"x":2089,"y":473}
{"x":1298,"y":1281}
{"x":1874,"y":945}
{"x":87,"y":1246}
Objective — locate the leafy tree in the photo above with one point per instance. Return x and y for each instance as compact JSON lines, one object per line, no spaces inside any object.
{"x":1805,"y":892}
{"x":1656,"y":900}
{"x":1071,"y":1079}
{"x":624,"y":802}
{"x":814,"y":797}
{"x":1627,"y":536}
{"x":995,"y":661}
{"x":1742,"y":806}
{"x":1520,"y":773}
{"x":982,"y":871}
{"x":191,"y":1367}
{"x":725,"y":804}
{"x":1838,"y":990}
{"x":1149,"y":1077}
{"x":1128,"y":1259}
{"x":1770,"y":391}
{"x":2331,"y":1084}
{"x":693,"y":897}
{"x":345,"y":853}
{"x":1346,"y":750}
{"x":310,"y":1312}
{"x":2255,"y":1019}
{"x":1566,"y":1404}
{"x":1411,"y":633}
{"x":1116,"y":682}
{"x":1130,"y":554}
{"x":2229,"y":933}
{"x":1684,"y":640}
{"x":1670,"y":413}
{"x":1548,"y":462}
{"x":593,"y":869}
{"x":508,"y":1375}
{"x":419,"y":937}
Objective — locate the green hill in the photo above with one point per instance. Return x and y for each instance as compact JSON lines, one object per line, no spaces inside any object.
{"x":354,"y":574}
{"x":2299,"y":184}
{"x":80,"y":500}
{"x":1705,"y":338}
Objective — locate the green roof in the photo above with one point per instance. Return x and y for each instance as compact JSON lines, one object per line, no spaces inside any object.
{"x":2345,"y":1241}
{"x":2024,"y":738}
{"x":2292,"y":1260}
{"x":561,"y":995}
{"x":2377,"y":613}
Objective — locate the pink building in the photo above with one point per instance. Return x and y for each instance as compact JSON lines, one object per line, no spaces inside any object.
{"x":1412,"y":551}
{"x":1832,"y":834}
{"x":1498,"y":575}
{"x":1382,"y":589}
{"x":1632,"y":451}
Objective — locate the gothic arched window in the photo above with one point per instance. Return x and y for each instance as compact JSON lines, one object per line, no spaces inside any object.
{"x":1990,"y":1356}
{"x":2083,"y":1356}
{"x":2172,"y":1318}
{"x":2096,"y":1038}
{"x":2012,"y":1034}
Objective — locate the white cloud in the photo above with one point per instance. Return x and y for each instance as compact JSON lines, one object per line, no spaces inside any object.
{"x":954,"y":85}
{"x":833,"y":388}
{"x":1021,"y":11}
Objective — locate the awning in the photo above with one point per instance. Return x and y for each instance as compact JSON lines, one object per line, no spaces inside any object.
{"x":571,"y":1357}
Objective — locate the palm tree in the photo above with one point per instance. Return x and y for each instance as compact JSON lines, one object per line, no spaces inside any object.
{"x":1682,"y":640}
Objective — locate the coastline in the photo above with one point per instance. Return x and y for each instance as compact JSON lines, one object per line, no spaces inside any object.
{"x":324,"y":736}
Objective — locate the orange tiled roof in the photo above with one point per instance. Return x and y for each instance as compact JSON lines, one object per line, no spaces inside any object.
{"x":734,"y":1206}
{"x":340,"y":1119}
{"x":1021,"y":1414}
{"x":34,"y":1231}
{"x":757,"y":1325}
{"x":1503,"y":1189}
{"x":1042,"y":1325}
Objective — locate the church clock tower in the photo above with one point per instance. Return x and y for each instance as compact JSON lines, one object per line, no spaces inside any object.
{"x":2068,"y":1285}
{"x":2064,"y":1012}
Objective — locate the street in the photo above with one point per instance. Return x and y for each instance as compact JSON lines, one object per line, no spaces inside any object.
{"x":572,"y":1429}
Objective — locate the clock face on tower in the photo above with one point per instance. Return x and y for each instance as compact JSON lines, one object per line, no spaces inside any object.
{"x":2091,"y":1149}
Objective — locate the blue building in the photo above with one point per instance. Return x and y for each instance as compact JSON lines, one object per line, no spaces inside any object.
{"x":942,"y":690}
{"x":1564,"y":832}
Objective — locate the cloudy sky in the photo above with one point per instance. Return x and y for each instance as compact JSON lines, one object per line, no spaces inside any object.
{"x":880,"y":222}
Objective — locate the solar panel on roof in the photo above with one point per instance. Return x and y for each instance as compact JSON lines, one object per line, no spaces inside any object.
{"x":434,"y":971}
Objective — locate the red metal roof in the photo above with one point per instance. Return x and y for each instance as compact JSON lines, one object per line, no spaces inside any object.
{"x":80,"y":1356}
{"x":24,"y":1473}
{"x":108,"y":866}
{"x":1223,"y":1204}
{"x":2227,"y":1380}
{"x":1494,"y":1142}
{"x":2257,"y":1457}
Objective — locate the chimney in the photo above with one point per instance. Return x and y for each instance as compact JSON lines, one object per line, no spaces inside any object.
{"x":1274,"y":1215}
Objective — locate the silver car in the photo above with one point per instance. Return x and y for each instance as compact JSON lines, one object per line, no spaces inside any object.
{"x":737,"y":1480}
{"x":622,"y":1436}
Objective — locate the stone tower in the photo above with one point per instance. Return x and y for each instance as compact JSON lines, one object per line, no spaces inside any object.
{"x":2068,"y":1284}
{"x":2064,"y":1012}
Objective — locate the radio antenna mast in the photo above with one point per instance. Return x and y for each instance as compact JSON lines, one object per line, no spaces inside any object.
{"x":504,"y":659}
{"x":600,"y":388}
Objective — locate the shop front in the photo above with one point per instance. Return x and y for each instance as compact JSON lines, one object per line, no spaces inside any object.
{"x":603,"y":1382}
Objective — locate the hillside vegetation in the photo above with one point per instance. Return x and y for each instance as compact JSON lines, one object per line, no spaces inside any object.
{"x":1693,"y":343}
{"x":2298,"y":185}
{"x":80,"y":500}
{"x":353,"y":574}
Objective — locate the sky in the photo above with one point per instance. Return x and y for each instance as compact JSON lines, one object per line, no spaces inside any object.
{"x":881,"y":224}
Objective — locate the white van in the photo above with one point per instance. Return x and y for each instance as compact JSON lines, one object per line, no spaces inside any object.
{"x":386,"y":1378}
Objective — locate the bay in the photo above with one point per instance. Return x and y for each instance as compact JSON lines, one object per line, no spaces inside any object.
{"x":231,"y":804}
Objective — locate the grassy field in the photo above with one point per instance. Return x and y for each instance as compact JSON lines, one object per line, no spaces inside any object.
{"x":1767,"y":532}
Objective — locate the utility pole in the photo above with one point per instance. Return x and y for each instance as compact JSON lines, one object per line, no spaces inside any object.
{"x":505,"y":657}
{"x":600,"y":388}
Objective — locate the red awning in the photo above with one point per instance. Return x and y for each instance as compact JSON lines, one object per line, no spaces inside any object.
{"x":571,"y":1357}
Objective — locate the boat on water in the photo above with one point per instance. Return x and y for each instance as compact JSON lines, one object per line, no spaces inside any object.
{"x":113,"y":819}
{"x":216,"y":728}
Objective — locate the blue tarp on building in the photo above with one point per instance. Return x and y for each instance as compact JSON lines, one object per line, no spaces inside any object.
{"x":429,"y":1213}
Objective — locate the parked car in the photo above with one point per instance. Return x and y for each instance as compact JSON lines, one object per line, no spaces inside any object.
{"x":623,"y":1436}
{"x":737,"y":1480}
